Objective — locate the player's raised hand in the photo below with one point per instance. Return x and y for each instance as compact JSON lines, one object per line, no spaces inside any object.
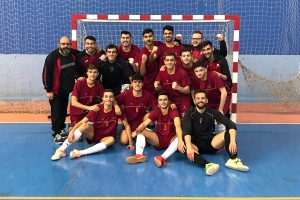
{"x":220,"y":37}
{"x":131,"y":60}
{"x":154,"y":49}
{"x":144,"y":58}
{"x":174,"y":85}
{"x":156,"y":84}
{"x":103,"y":57}
{"x":178,"y":36}
{"x":162,"y":68}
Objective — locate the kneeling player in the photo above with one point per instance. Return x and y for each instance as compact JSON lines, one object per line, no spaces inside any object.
{"x":168,"y":126}
{"x":103,"y":131}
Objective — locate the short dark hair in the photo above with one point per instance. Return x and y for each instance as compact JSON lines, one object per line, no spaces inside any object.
{"x":112,"y":46}
{"x":200,"y":63}
{"x":126,"y":33}
{"x":90,"y":38}
{"x":169,"y":28}
{"x":199,"y":32}
{"x":170,"y":54}
{"x":206,"y":42}
{"x":163,"y":93}
{"x":186,"y":50}
{"x":108,"y":90}
{"x":91,"y":67}
{"x":200,"y":91}
{"x":137,"y":77}
{"x":148,"y":30}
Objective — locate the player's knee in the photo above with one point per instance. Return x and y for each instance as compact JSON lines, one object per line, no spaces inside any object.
{"x":123,"y":140}
{"x":83,"y":127}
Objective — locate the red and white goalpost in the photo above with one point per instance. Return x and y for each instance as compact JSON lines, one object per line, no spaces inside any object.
{"x":107,"y":28}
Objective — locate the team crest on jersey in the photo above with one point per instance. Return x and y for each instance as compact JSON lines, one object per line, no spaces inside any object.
{"x":111,"y":69}
{"x":218,"y":65}
{"x":86,"y":61}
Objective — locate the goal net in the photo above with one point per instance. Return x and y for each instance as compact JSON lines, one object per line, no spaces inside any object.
{"x":107,"y":29}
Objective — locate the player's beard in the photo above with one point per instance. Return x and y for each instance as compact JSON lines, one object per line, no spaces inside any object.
{"x":90,"y":50}
{"x":201,"y":107}
{"x":65,"y":51}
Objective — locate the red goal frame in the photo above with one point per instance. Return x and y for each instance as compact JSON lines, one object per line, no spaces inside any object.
{"x":217,"y":18}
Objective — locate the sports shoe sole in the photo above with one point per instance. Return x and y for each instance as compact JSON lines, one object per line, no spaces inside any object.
{"x":211,"y":170}
{"x":240,"y":168}
{"x":134,"y":160}
{"x":157,"y":162}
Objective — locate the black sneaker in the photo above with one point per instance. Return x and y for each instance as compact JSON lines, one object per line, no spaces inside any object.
{"x":63,"y":134}
{"x":58,"y":139}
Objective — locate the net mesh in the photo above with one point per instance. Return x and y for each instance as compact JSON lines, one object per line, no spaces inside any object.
{"x":30,"y":30}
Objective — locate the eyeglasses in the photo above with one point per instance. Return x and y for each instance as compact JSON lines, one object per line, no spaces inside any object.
{"x":196,"y":39}
{"x":68,"y":44}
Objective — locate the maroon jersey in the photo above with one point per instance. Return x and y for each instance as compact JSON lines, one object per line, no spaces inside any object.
{"x":105,"y":123}
{"x":86,"y":95}
{"x":165,"y":122}
{"x":135,"y":107}
{"x":180,"y":76}
{"x":212,"y":86}
{"x":189,"y":71}
{"x":197,"y":53}
{"x":151,"y":71}
{"x":133,"y":53}
{"x":163,"y":49}
{"x":85,"y":60}
{"x":216,"y":65}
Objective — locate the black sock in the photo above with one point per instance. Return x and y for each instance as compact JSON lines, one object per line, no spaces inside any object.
{"x":227,"y":141}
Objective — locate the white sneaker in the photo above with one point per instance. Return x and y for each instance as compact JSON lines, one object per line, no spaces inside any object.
{"x":236,"y":164}
{"x":58,"y":154}
{"x":211,"y":168}
{"x":75,"y":154}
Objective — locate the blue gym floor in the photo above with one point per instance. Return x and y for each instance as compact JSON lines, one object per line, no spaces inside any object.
{"x":270,"y":150}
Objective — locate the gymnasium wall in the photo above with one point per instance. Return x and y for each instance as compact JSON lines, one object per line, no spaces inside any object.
{"x":30,"y":30}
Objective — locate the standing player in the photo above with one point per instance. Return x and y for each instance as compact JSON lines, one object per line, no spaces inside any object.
{"x":168,"y":46}
{"x":86,"y":95}
{"x":112,"y":70}
{"x":218,"y":91}
{"x":196,"y":45}
{"x":168,"y":126}
{"x":129,"y":53}
{"x":148,"y":69}
{"x":89,"y":55}
{"x":176,"y":82}
{"x":59,"y":75}
{"x":199,"y":137}
{"x":216,"y":62}
{"x":103,"y":131}
{"x":135,"y":102}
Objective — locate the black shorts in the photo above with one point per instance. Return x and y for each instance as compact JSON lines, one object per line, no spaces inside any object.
{"x":204,"y":146}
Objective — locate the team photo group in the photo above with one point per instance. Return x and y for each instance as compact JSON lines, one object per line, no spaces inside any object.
{"x":167,"y":94}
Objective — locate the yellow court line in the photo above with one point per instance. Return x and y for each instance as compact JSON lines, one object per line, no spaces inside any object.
{"x":157,"y":198}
